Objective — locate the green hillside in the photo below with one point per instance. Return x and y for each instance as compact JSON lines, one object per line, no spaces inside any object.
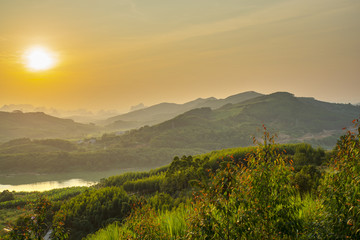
{"x":269,"y":191}
{"x":194,"y":132}
{"x":39,"y":125}
{"x":293,"y":119}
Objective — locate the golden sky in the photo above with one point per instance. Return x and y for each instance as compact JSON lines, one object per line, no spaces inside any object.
{"x":113,"y":54}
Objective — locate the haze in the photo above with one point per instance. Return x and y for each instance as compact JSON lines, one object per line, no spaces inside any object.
{"x":118,"y":53}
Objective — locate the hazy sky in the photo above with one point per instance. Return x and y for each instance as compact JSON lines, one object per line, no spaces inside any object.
{"x":118,"y":53}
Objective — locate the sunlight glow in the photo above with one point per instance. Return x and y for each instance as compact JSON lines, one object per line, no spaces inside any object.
{"x":38,"y":58}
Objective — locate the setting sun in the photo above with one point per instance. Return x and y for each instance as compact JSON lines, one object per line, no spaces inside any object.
{"x":39,"y":58}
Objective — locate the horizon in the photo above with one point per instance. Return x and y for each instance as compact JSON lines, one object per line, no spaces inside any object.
{"x":119,"y":53}
{"x":109,"y":112}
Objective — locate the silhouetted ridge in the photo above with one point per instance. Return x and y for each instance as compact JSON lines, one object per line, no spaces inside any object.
{"x":39,"y":125}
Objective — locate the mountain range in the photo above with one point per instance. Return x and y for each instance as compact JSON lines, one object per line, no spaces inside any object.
{"x":164,"y":111}
{"x":207,"y":124}
{"x":206,"y":127}
{"x":293,"y":119}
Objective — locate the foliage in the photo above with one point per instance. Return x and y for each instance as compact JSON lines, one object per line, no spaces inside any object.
{"x":147,"y":223}
{"x":33,"y":225}
{"x":93,"y":209}
{"x":162,"y":201}
{"x":305,"y":154}
{"x":6,"y":196}
{"x":55,"y":195}
{"x":341,"y":187}
{"x":104,"y":158}
{"x":313,"y":216}
{"x":143,"y":224}
{"x":146,"y":185}
{"x":121,"y":179}
{"x":110,"y":232}
{"x":240,"y":193}
{"x":307,"y":179}
{"x":256,"y":201}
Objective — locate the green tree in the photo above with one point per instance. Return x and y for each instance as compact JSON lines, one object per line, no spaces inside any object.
{"x":143,"y":224}
{"x":256,"y":201}
{"x":89,"y":211}
{"x":341,"y":187}
{"x":6,"y":196}
{"x":35,"y":224}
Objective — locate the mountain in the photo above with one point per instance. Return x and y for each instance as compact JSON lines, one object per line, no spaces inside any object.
{"x":165,"y":111}
{"x":78,"y":115}
{"x":293,"y":119}
{"x":39,"y":125}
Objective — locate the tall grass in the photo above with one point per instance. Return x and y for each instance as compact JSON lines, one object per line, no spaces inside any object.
{"x":111,"y":232}
{"x":313,"y":218}
{"x":172,"y":223}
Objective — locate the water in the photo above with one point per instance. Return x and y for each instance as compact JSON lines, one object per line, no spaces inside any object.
{"x":48,"y":185}
{"x":44,"y":182}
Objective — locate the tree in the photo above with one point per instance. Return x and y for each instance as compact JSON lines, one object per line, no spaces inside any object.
{"x":35,"y":224}
{"x":252,"y":201}
{"x":6,"y":196}
{"x":341,"y":187}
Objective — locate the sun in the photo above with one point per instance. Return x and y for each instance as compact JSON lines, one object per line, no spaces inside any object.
{"x":38,"y":58}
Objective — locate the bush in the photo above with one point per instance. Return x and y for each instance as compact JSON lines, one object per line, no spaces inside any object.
{"x":256,"y":201}
{"x":91,"y":210}
{"x":341,"y":187}
{"x":6,"y":196}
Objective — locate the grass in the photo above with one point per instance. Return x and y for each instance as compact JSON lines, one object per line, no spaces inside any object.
{"x":313,"y":218}
{"x":6,"y":216}
{"x":173,"y":223}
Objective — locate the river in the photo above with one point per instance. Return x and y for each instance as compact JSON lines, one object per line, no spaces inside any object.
{"x":48,"y":185}
{"x":44,"y":182}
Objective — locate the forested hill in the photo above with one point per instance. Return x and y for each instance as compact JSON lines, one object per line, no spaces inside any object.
{"x":292,"y":118}
{"x":39,"y":125}
{"x":164,"y":111}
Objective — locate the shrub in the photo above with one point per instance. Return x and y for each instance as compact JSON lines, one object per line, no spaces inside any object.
{"x":256,"y":201}
{"x":341,"y":187}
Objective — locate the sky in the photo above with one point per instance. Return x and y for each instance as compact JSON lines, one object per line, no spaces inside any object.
{"x":113,"y":54}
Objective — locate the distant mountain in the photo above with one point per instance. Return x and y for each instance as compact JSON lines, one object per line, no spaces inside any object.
{"x":78,"y":115}
{"x":39,"y":125}
{"x":294,"y":119}
{"x":137,"y":107}
{"x":165,"y":111}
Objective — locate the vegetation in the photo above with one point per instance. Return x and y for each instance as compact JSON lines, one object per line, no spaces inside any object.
{"x":91,"y":210}
{"x":17,"y":211}
{"x":255,"y":200}
{"x":39,"y":125}
{"x":270,"y":191}
{"x":165,"y":111}
{"x":294,"y":119}
{"x":259,"y":198}
{"x":49,"y":160}
{"x":341,"y":187}
{"x":194,"y":132}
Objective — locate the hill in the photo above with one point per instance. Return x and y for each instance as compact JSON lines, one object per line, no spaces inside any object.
{"x":294,"y":119}
{"x":164,"y":111}
{"x":39,"y":125}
